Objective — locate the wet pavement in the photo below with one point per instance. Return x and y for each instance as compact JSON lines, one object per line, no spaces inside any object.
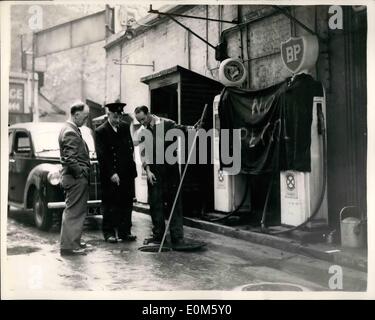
{"x":227,"y":264}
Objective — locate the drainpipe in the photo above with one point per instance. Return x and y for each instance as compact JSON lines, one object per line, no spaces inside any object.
{"x":120,"y":71}
{"x":248,"y":57}
{"x":34,"y":85}
{"x":187,"y":43}
{"x":240,"y":30}
{"x":207,"y":67}
{"x":220,"y":18}
{"x":105,"y":77}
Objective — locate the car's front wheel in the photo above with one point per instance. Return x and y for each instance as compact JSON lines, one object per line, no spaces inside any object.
{"x":42,"y":216}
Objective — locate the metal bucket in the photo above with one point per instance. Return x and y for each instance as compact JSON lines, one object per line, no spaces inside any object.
{"x":352,"y":228}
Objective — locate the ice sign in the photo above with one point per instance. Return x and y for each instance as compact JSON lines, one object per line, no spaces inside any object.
{"x":16,"y":97}
{"x":300,"y":54}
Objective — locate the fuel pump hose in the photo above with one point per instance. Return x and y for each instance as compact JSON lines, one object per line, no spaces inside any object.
{"x":322,"y":132}
{"x":236,"y":209}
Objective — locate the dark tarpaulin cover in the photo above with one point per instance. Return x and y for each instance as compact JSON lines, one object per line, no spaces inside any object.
{"x":275,"y":123}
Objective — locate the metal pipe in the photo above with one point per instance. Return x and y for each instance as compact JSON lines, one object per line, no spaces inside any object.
{"x":248,"y":57}
{"x":265,"y":56}
{"x":22,"y":54}
{"x":134,"y":64}
{"x":34,"y":93}
{"x":219,"y":15}
{"x":188,"y":16}
{"x":241,"y":35}
{"x":183,"y":176}
{"x":120,"y":71}
{"x":189,"y":49}
{"x":207,"y":67}
{"x":198,"y":36}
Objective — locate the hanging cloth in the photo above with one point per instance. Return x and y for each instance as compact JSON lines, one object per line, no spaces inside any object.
{"x":275,"y":124}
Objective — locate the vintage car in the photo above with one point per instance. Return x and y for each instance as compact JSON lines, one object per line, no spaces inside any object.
{"x":34,"y":171}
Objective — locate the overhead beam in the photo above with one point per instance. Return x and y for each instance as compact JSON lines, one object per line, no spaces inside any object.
{"x":182,"y":25}
{"x":188,"y":16}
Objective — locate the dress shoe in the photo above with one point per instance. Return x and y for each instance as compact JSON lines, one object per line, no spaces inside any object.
{"x":189,"y":245}
{"x":111,"y":239}
{"x":72,"y":252}
{"x":177,"y":243}
{"x":85,"y":245}
{"x":152,"y":240}
{"x":128,"y":237}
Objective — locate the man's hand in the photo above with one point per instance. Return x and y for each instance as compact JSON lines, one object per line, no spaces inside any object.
{"x":151,"y":177}
{"x":115,"y":179}
{"x":198,"y":124}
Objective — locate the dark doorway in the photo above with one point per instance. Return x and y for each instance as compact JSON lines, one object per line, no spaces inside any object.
{"x":164,"y":102}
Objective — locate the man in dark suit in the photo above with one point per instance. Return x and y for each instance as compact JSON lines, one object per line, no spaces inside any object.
{"x":75,"y":160}
{"x":115,"y":150}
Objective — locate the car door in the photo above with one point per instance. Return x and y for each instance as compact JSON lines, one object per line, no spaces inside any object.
{"x":22,"y":153}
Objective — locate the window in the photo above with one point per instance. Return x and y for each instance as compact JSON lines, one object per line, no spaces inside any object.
{"x":22,"y":143}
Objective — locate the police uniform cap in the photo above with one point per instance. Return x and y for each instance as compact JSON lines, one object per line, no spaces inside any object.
{"x":116,"y":107}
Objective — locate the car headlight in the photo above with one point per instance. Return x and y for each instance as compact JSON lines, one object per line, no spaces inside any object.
{"x":54,"y":177}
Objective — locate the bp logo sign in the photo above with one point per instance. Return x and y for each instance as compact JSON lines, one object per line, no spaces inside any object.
{"x":300,"y":54}
{"x":232,"y":72}
{"x":290,"y":182}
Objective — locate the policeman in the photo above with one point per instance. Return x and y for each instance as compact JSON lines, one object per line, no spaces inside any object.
{"x":115,"y":151}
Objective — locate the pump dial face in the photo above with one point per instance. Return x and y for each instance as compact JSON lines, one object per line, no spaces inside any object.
{"x":290,"y":182}
{"x":220,"y":176}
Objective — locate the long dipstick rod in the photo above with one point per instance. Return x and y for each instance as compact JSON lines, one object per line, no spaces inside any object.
{"x":182,"y":178}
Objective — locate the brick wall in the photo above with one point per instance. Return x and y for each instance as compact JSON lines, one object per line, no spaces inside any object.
{"x":78,"y":73}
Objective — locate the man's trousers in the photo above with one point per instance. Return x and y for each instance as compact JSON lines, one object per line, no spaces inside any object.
{"x":117,"y":207}
{"x":76,"y":197}
{"x":161,"y":197}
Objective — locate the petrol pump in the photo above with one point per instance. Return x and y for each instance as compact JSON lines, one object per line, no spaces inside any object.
{"x":302,"y":193}
{"x":231,"y":191}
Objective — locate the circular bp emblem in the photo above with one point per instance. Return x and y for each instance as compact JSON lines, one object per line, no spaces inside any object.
{"x":290,"y":182}
{"x":232,"y":72}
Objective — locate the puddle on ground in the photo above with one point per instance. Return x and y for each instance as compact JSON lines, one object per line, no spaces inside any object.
{"x":12,"y":251}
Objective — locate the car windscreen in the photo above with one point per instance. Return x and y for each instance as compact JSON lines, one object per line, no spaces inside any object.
{"x":46,"y":140}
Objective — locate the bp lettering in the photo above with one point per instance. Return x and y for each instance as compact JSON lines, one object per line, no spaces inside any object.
{"x":292,"y":53}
